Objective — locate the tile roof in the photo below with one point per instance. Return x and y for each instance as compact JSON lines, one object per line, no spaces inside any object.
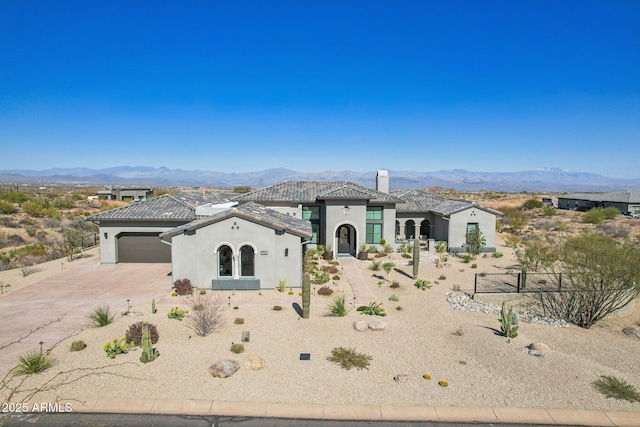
{"x":252,"y":212}
{"x":312,"y":191}
{"x":415,"y":200}
{"x":168,"y":207}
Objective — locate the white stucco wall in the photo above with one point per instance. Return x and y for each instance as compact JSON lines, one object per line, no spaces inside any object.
{"x":194,"y":257}
{"x":458,"y":228}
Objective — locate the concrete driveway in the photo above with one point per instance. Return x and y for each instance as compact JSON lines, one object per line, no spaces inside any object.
{"x":71,"y":295}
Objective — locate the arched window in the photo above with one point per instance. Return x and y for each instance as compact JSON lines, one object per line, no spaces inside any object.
{"x":225,"y":261}
{"x":247,"y":256}
{"x":409,"y":229}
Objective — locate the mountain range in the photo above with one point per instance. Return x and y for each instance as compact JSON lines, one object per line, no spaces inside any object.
{"x":540,"y":179}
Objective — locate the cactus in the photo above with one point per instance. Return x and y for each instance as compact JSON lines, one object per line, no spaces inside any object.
{"x":306,"y":295}
{"x":509,"y":322}
{"x":416,"y":257}
{"x":153,"y":306}
{"x":148,"y":352}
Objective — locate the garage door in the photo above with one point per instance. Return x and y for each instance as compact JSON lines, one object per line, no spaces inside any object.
{"x":142,"y":247}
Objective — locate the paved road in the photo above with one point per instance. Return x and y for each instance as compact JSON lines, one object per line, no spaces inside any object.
{"x":124,"y":420}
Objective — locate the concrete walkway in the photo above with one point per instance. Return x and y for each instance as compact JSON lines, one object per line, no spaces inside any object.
{"x":361,"y":290}
{"x":355,"y":412}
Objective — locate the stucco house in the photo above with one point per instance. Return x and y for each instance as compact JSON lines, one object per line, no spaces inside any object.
{"x":254,"y":240}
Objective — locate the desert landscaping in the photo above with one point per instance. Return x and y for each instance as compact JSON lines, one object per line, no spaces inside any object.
{"x":423,"y":335}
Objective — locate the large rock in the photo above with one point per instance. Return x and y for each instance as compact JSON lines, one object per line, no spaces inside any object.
{"x":224,"y":368}
{"x":632,"y":330}
{"x":254,"y":362}
{"x":360,"y":326}
{"x":538,"y":346}
{"x":377,"y":325}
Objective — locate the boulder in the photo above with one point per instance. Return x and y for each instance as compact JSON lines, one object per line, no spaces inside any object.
{"x":224,"y":368}
{"x":538,"y":346}
{"x":254,"y":362}
{"x":401,"y":378}
{"x":377,"y":325}
{"x":632,"y":331}
{"x":360,"y":326}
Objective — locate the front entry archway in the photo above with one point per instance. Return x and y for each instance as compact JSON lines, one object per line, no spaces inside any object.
{"x":346,"y":240}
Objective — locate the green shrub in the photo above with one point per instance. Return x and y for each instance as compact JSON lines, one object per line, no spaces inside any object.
{"x":325,"y":290}
{"x":532,"y":204}
{"x":423,"y":284}
{"x":101,"y":316}
{"x":610,"y":212}
{"x":134,"y":334}
{"x":467,"y":259}
{"x":474,"y":265}
{"x":497,"y":254}
{"x":549,"y":210}
{"x":277,"y":307}
{"x":442,"y":277}
{"x":617,"y":389}
{"x":237,"y":348}
{"x":117,"y":346}
{"x":176,"y":313}
{"x":6,"y":208}
{"x":338,"y":306}
{"x":594,"y":216}
{"x":336,"y":277}
{"x":373,"y":309}
{"x":394,"y":285}
{"x":394,"y":297}
{"x":33,"y":362}
{"x":375,"y":266}
{"x":348,"y":358}
{"x":77,"y":345}
{"x":239,"y":321}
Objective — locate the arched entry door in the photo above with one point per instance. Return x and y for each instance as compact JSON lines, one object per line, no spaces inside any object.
{"x":346,"y":239}
{"x":425,"y":229}
{"x":409,"y":229}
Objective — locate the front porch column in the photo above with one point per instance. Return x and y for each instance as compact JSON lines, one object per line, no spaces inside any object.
{"x":236,"y":266}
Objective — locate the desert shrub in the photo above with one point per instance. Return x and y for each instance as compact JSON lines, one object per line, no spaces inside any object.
{"x":134,"y":334}
{"x":532,"y":204}
{"x":6,"y":208}
{"x":594,"y":216}
{"x":348,"y":358}
{"x":394,"y":285}
{"x":330,"y":269}
{"x":442,"y":277}
{"x":183,"y":287}
{"x":338,"y":306}
{"x":51,"y":223}
{"x":372,"y":249}
{"x":66,"y":203}
{"x":549,"y":210}
{"x":394,"y":297}
{"x":406,"y":256}
{"x":610,"y":212}
{"x":101,"y":316}
{"x":33,"y":362}
{"x":336,"y":277}
{"x":290,"y":292}
{"x":239,"y":321}
{"x":14,"y":196}
{"x":617,"y":388}
{"x":497,"y":254}
{"x":375,"y":266}
{"x":176,"y":313}
{"x":380,"y":255}
{"x":203,"y":292}
{"x":545,"y":224}
{"x":34,"y":208}
{"x":325,"y":290}
{"x":277,"y":308}
{"x":474,"y":265}
{"x":467,"y":259}
{"x":237,"y":348}
{"x":320,"y":277}
{"x":117,"y":346}
{"x":614,"y":230}
{"x":373,"y":309}
{"x":423,"y":284}
{"x":77,"y":345}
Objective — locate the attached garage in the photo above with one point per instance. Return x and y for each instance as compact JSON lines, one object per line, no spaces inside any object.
{"x":142,"y":248}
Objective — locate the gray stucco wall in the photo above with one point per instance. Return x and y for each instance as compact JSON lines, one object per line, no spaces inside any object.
{"x":458,"y":228}
{"x":108,"y":244}
{"x":194,"y":257}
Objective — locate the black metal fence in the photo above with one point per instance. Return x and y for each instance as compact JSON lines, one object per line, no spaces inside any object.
{"x":90,"y":240}
{"x":517,"y":282}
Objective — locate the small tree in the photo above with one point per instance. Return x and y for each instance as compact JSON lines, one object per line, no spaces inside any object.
{"x":72,"y":243}
{"x":535,"y":253}
{"x":388,"y":267}
{"x":475,"y":242}
{"x":206,"y":314}
{"x":596,"y":277}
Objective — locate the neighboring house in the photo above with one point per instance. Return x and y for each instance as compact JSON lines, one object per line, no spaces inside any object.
{"x":256,"y":239}
{"x":627,"y":202}
{"x":135,"y":194}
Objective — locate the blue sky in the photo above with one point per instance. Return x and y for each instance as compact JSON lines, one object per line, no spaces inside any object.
{"x":321,"y":85}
